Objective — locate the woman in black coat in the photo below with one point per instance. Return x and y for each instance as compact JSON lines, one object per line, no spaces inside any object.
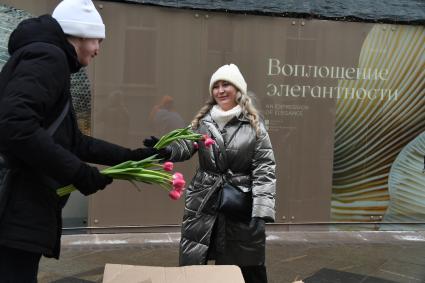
{"x":34,"y":89}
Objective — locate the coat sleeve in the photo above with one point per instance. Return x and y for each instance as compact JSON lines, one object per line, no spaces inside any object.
{"x":31,"y":90}
{"x":98,"y":151}
{"x":182,"y":150}
{"x":263,"y":178}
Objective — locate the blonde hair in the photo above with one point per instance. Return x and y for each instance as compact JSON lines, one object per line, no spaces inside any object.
{"x":244,"y":101}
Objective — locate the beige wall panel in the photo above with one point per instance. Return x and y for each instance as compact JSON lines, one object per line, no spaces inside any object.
{"x":36,"y":8}
{"x":148,"y":53}
{"x":151,"y":52}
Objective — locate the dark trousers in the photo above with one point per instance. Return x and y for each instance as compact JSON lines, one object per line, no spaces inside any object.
{"x":254,"y":274}
{"x":18,"y":266}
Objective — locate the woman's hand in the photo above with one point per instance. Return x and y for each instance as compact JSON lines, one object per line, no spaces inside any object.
{"x":150,"y":142}
{"x":256,"y":223}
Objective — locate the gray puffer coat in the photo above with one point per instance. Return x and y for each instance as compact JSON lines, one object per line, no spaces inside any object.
{"x":248,"y":164}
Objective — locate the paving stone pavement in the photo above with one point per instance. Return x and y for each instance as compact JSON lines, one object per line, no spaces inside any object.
{"x":314,"y":257}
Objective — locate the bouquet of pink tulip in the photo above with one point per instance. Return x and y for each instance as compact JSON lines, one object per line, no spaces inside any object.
{"x":185,"y":134}
{"x":148,"y":170}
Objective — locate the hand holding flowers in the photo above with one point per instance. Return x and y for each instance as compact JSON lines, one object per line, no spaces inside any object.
{"x":180,"y":134}
{"x":147,"y":171}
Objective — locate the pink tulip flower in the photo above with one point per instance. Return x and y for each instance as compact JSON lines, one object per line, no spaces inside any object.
{"x":168,"y":166}
{"x":209,"y":141}
{"x":174,"y":194}
{"x":180,"y":190}
{"x":177,"y":175}
{"x":179,"y":184}
{"x":205,"y":137}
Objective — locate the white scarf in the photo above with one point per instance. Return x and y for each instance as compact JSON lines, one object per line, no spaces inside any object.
{"x":221,"y":117}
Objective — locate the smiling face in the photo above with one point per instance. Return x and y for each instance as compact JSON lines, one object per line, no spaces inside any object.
{"x":86,"y":48}
{"x":225,"y":94}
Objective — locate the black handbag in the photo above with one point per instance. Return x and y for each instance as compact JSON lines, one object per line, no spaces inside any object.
{"x":6,"y":171}
{"x":235,"y":203}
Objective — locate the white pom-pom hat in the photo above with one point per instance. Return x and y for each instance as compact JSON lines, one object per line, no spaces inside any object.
{"x":231,"y":74}
{"x":79,"y":18}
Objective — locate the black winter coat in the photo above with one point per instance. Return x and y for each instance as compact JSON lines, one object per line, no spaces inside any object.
{"x":34,"y":87}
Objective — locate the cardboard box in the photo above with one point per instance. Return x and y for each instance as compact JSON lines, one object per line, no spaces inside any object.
{"x":119,"y":273}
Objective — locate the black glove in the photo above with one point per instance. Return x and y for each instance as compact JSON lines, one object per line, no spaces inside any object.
{"x":257,"y":223}
{"x":150,"y":142}
{"x":142,"y":153}
{"x":165,"y":153}
{"x":89,"y":180}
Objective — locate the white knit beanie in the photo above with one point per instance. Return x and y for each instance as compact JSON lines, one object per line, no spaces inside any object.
{"x":231,"y":74}
{"x":79,"y":18}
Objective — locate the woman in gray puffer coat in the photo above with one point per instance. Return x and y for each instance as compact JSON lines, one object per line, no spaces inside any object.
{"x":242,"y":155}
